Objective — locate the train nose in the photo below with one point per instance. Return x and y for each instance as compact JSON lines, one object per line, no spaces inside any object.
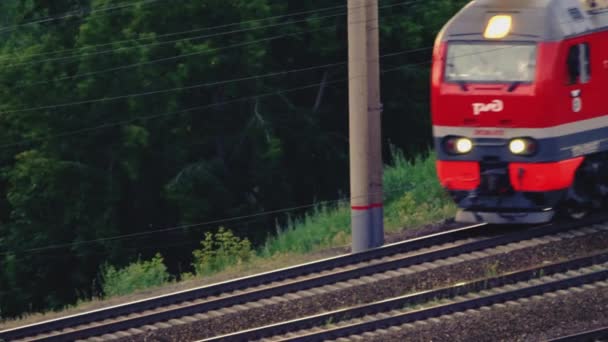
{"x":494,"y":180}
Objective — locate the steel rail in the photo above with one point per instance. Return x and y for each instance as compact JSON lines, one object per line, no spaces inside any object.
{"x":359,"y":328}
{"x":411,"y":299}
{"x":161,"y":314}
{"x":246,"y":282}
{"x":591,"y":335}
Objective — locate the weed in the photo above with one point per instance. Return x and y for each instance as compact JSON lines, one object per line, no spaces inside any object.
{"x":412,"y":195}
{"x":492,"y":270}
{"x":326,"y":227}
{"x":220,"y":250}
{"x":137,"y":275}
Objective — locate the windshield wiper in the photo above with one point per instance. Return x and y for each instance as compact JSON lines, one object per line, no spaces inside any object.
{"x":463,"y":85}
{"x":514,"y":86}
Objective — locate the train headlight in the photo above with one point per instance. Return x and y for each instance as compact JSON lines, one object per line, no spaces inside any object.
{"x":464,"y":145}
{"x":523,"y":146}
{"x":498,"y":27}
{"x":458,"y":145}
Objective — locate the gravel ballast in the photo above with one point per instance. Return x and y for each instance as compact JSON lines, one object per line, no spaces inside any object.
{"x":467,"y":267}
{"x":537,"y":318}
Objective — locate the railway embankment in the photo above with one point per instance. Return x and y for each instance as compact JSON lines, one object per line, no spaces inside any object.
{"x":438,"y":263}
{"x":477,"y":265}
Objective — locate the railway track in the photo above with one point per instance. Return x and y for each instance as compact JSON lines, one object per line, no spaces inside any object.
{"x":54,"y":327}
{"x":591,"y":335}
{"x":391,"y":313}
{"x":308,"y":276}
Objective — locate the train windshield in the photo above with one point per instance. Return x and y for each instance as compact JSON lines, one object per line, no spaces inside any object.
{"x":489,"y":62}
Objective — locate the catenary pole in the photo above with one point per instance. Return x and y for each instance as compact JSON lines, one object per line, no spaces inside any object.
{"x":374,"y":111}
{"x":361,"y":213}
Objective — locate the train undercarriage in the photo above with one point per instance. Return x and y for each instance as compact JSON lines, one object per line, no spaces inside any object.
{"x":497,"y":201}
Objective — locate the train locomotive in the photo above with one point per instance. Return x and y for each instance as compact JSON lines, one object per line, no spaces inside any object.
{"x":519,"y":99}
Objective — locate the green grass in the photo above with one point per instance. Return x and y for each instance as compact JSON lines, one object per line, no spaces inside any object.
{"x":324,"y":227}
{"x":136,"y":276}
{"x":413,"y":197}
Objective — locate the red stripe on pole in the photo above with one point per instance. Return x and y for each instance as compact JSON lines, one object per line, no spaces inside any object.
{"x":367,"y":207}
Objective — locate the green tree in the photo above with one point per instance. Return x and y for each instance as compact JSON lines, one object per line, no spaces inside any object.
{"x":76,"y":174}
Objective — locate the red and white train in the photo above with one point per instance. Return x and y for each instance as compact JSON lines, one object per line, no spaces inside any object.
{"x":520,"y":109}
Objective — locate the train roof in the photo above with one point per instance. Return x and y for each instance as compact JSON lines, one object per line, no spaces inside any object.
{"x":533,"y":20}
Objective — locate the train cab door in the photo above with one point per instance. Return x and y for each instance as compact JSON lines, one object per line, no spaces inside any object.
{"x":578,"y":92}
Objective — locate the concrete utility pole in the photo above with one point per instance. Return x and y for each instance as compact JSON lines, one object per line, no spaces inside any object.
{"x":374,"y":111}
{"x":364,"y":123}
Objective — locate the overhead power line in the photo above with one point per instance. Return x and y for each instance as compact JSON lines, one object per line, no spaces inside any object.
{"x":191,"y":109}
{"x":150,"y":117}
{"x":126,"y":48}
{"x":134,"y":95}
{"x":59,"y":246}
{"x":221,"y":221}
{"x":215,"y":222}
{"x":200,"y":37}
{"x":76,"y":13}
{"x":166,"y":59}
{"x":210,"y":28}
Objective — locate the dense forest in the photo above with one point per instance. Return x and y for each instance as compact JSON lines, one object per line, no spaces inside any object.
{"x":118,"y":119}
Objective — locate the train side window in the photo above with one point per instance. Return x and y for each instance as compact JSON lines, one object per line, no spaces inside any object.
{"x":579,"y":66}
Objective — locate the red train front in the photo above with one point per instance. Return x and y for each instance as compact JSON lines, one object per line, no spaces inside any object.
{"x":520,"y":109}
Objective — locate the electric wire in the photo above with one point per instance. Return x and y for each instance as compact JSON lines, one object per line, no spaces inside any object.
{"x":196,"y":225}
{"x":215,"y":222}
{"x":157,"y":246}
{"x":57,"y":246}
{"x":140,"y":94}
{"x":207,"y":106}
{"x":213,"y":35}
{"x":161,"y":60}
{"x":75,"y":13}
{"x":180,"y":56}
{"x":51,"y":253}
{"x":211,"y":28}
{"x":155,"y":116}
{"x":134,"y":95}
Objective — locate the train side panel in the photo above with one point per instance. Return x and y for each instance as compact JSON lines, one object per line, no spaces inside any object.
{"x":516,"y":149}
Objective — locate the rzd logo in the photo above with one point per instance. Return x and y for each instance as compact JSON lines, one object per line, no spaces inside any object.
{"x":494,"y":106}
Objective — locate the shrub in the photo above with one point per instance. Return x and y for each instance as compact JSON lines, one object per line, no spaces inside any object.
{"x":219,"y":251}
{"x":414,"y":195}
{"x":325,"y":227}
{"x":136,"y":276}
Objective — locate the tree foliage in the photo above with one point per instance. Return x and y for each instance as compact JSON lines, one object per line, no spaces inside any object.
{"x":95,"y":146}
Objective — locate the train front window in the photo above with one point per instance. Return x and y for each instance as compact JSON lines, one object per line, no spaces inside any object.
{"x":485,"y":62}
